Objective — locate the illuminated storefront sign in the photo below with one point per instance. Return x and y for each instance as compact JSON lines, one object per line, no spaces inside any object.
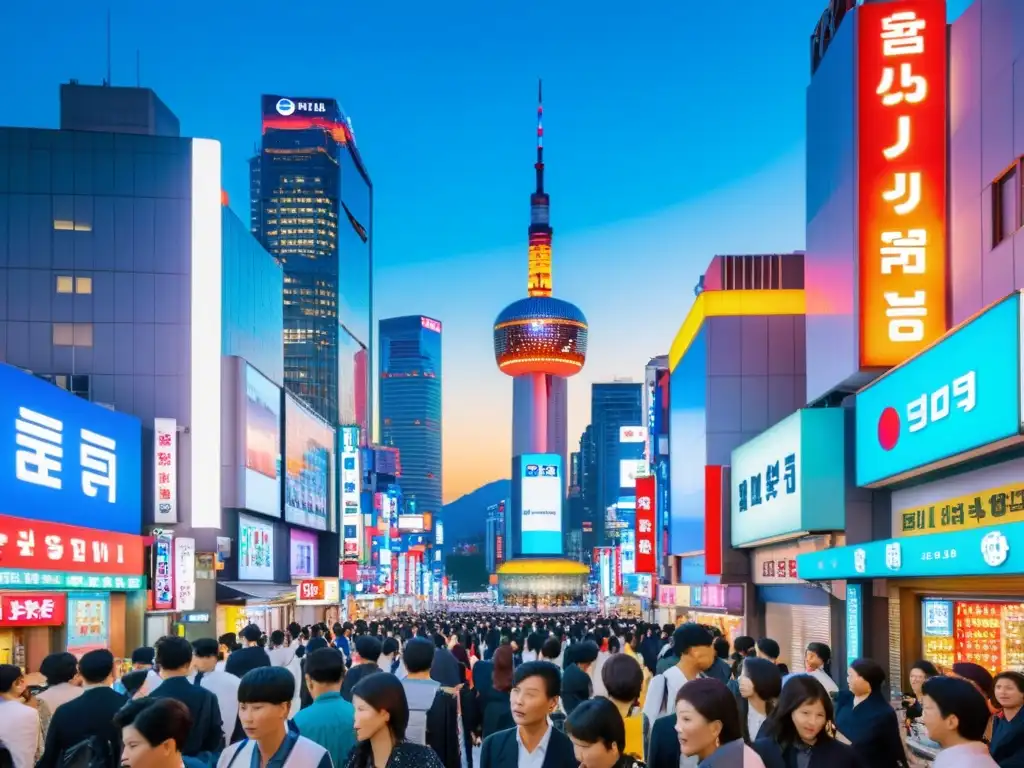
{"x":184,"y":574}
{"x":854,"y":622}
{"x":165,"y":471}
{"x":430,"y":324}
{"x":66,"y":460}
{"x":777,"y":564}
{"x":901,"y":125}
{"x":646,"y":560}
{"x":317,"y":592}
{"x":351,"y":517}
{"x":790,"y":479}
{"x":12,"y":577}
{"x":163,"y":571}
{"x":957,"y":396}
{"x":32,"y":610}
{"x":34,"y":545}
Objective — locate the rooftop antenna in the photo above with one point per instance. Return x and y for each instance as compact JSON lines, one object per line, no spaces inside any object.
{"x":107,"y":81}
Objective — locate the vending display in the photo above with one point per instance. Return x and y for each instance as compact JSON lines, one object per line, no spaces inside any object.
{"x":978,"y":634}
{"x":88,"y":623}
{"x":938,"y":632}
{"x":988,"y":633}
{"x":1013,"y":637}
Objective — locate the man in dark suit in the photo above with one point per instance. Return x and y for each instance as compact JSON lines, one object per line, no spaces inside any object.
{"x":174,"y":657}
{"x":89,"y":715}
{"x":534,"y":742}
{"x":577,"y":685}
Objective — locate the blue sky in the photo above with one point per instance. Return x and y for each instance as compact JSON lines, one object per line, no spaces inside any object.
{"x":673,"y":131}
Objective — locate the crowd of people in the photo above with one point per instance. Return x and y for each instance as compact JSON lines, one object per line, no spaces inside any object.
{"x":480,"y":691}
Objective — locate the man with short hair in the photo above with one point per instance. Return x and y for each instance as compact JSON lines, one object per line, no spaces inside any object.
{"x":956,"y":716}
{"x":250,"y":655}
{"x":534,"y":742}
{"x":364,"y":663}
{"x":329,"y":720}
{"x":89,"y":717}
{"x":221,"y":684}
{"x":692,"y":644}
{"x":577,"y":684}
{"x":174,"y":657}
{"x":433,"y":713}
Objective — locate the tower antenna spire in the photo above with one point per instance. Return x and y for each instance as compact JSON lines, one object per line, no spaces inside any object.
{"x":539,"y":166}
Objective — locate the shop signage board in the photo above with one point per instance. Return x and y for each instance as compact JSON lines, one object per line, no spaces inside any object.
{"x":195,"y":618}
{"x":777,"y":564}
{"x":165,"y":471}
{"x":953,"y":398}
{"x":854,"y":621}
{"x":184,"y":574}
{"x":35,"y":545}
{"x":981,"y":552}
{"x":645,"y":559}
{"x":790,"y":479}
{"x":31,"y":609}
{"x":163,"y":571}
{"x":255,"y":549}
{"x":12,"y":577}
{"x":351,"y":485}
{"x":65,"y":460}
{"x":317,"y":592}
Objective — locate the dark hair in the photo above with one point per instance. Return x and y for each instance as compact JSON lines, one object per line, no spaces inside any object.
{"x":267,"y":685}
{"x":613,"y":644}
{"x":389,"y":646}
{"x":418,"y":654}
{"x":623,"y":678}
{"x":205,"y":647}
{"x":597,"y":720}
{"x":59,"y":668}
{"x":721,"y":646}
{"x":277,"y":637}
{"x":959,"y":697}
{"x":228,"y":638}
{"x":324,"y":665}
{"x":157,"y":720}
{"x":545,"y":670}
{"x":251,"y":633}
{"x":585,"y":652}
{"x":769,"y":648}
{"x":385,"y":693}
{"x":9,"y":675}
{"x":929,"y":669}
{"x":976,"y":674}
{"x":551,"y":648}
{"x":144,"y":655}
{"x":744,"y":644}
{"x":689,"y":636}
{"x":368,"y":648}
{"x":871,"y":671}
{"x":783,"y":668}
{"x":134,"y":680}
{"x":501,"y":675}
{"x":96,"y":666}
{"x":173,"y":652}
{"x":534,"y":641}
{"x":766,"y":679}
{"x":713,"y":701}
{"x":798,"y":690}
{"x":823,"y":652}
{"x":1014,"y":677}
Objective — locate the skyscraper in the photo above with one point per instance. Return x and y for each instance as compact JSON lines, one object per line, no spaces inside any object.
{"x":314,"y":212}
{"x":410,"y":405}
{"x":540,"y":340}
{"x":613,"y":405}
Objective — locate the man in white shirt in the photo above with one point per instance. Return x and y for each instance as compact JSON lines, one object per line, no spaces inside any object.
{"x":956,"y":716}
{"x":221,"y":684}
{"x":19,"y":723}
{"x":694,"y":645}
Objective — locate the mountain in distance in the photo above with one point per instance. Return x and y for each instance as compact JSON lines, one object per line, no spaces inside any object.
{"x":466,"y":517}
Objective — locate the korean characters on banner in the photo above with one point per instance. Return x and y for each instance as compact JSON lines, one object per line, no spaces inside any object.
{"x":32,"y":545}
{"x":618,"y":570}
{"x":646,"y":559}
{"x":184,"y":574}
{"x":32,"y":610}
{"x":165,"y":471}
{"x":901,"y":128}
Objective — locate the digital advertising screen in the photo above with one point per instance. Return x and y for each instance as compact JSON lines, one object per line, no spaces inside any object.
{"x":255,"y":549}
{"x":309,"y":458}
{"x":541,"y":502}
{"x":262,"y":444}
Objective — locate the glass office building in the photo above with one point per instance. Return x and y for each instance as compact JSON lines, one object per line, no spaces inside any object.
{"x":313,"y":210}
{"x":612,"y":405}
{"x":410,"y":404}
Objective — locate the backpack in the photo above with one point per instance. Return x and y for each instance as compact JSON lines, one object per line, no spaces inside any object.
{"x":93,"y":752}
{"x":416,"y":730}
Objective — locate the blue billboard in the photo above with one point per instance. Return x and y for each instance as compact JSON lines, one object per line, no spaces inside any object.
{"x":993,"y":551}
{"x":65,"y":460}
{"x":540,"y":499}
{"x":961,"y":394}
{"x":687,"y":437}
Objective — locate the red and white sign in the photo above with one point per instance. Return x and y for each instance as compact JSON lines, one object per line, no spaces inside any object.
{"x":618,"y":570}
{"x":645,"y":558}
{"x":901,"y":155}
{"x":431,"y":324}
{"x":632,"y":434}
{"x":165,"y":471}
{"x":311,"y":589}
{"x":777,"y":564}
{"x":714,"y":509}
{"x":29,"y":609}
{"x":34,"y":545}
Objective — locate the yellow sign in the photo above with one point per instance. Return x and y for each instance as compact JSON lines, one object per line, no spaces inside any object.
{"x":996,"y":506}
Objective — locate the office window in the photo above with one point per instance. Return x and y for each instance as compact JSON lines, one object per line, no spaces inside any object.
{"x":83,"y":334}
{"x":72,"y":334}
{"x":1005,"y":209}
{"x":66,"y":225}
{"x":65,"y":284}
{"x":83,"y":285}
{"x":76,"y":384}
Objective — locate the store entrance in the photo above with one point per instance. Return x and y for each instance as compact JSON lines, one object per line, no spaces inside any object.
{"x":985,"y":631}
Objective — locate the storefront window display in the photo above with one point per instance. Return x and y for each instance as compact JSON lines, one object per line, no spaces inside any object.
{"x":988,"y":632}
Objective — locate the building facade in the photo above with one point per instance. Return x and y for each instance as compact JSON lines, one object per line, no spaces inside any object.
{"x":613,"y":405}
{"x":410,"y":406}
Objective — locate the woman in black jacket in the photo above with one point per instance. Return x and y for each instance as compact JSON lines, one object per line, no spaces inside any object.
{"x":801,"y":727}
{"x":867,"y":720}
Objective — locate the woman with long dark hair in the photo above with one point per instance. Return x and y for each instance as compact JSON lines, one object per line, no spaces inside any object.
{"x":708,"y":726}
{"x":867,"y":720}
{"x":800,"y":731}
{"x":382,"y":715}
{"x":760,"y":685}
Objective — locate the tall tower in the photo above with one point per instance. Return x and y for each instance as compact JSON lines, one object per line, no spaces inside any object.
{"x":539,"y":340}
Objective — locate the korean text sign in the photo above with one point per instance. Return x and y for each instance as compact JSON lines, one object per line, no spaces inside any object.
{"x":954,"y":397}
{"x":29,"y":609}
{"x":790,"y":478}
{"x":37,"y":546}
{"x":65,"y":460}
{"x":646,"y":558}
{"x":901,"y":128}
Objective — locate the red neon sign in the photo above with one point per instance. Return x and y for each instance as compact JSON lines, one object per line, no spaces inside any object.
{"x":34,"y":545}
{"x":646,"y":560}
{"x":32,"y":609}
{"x":901,"y":129}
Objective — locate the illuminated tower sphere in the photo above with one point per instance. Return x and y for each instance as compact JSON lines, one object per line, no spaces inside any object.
{"x":540,"y":336}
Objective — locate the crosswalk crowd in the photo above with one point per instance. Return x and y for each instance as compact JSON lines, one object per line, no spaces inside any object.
{"x":493,"y":691}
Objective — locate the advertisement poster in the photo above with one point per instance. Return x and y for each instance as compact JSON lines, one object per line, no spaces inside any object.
{"x":163,"y":574}
{"x":351,"y":483}
{"x":309,"y":457}
{"x":255,"y":549}
{"x":541,"y":497}
{"x":303,"y":554}
{"x":262,"y":444}
{"x":88,"y":622}
{"x":184,"y":574}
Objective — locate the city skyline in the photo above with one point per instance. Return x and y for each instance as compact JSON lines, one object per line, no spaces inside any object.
{"x":448,"y":148}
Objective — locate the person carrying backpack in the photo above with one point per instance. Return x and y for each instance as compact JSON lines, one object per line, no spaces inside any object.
{"x":433,"y":710}
{"x":693,"y":644}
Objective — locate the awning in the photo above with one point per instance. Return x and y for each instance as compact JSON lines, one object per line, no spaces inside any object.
{"x":254,"y":592}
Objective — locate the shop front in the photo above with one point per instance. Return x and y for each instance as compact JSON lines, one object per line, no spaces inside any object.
{"x":788,"y":493}
{"x":714,"y":605}
{"x":255,"y":598}
{"x":945,"y":429}
{"x":317,"y":600}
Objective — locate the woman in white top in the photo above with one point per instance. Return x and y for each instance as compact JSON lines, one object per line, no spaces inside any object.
{"x":816,"y":659}
{"x":19,"y":723}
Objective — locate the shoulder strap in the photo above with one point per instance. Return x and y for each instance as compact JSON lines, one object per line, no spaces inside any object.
{"x":241,"y":746}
